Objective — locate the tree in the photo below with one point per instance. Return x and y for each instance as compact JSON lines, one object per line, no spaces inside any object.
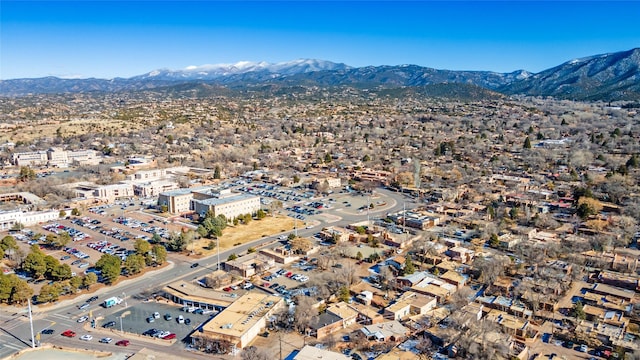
{"x":359,"y":256}
{"x":159,"y":254}
{"x":304,"y":314}
{"x":142,"y":247}
{"x":527,"y":143}
{"x":89,"y":279}
{"x":156,"y":238}
{"x":409,"y":268}
{"x":253,"y":353}
{"x":75,"y":212}
{"x":35,"y":264}
{"x":578,"y":311}
{"x":21,"y":292}
{"x":588,"y":207}
{"x":134,"y":263}
{"x":62,"y":214}
{"x":177,"y":243}
{"x":216,"y":172}
{"x":8,"y":242}
{"x":232,"y":257}
{"x":260,"y":214}
{"x":49,"y":293}
{"x":343,"y":293}
{"x":76,"y":282}
{"x":61,"y":272}
{"x":26,"y":174}
{"x":110,"y":265}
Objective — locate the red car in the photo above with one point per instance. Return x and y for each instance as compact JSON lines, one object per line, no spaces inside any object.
{"x":289,"y":274}
{"x":170,"y":336}
{"x":69,"y":333}
{"x":123,"y":343}
{"x":227,"y":289}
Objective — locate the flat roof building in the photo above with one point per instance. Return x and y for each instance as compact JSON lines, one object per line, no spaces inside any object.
{"x":242,"y":321}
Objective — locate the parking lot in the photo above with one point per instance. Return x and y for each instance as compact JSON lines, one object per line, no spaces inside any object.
{"x":134,"y":319}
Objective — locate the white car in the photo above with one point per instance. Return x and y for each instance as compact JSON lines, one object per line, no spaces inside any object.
{"x":83,"y":319}
{"x":86,"y":337}
{"x":180,"y":319}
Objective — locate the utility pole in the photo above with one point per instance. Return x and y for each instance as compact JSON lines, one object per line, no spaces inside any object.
{"x":33,"y":342}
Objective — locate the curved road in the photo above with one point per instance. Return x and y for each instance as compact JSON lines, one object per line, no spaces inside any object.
{"x":14,"y":324}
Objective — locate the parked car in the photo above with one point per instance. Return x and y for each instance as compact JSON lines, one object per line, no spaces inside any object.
{"x":156,"y":315}
{"x":167,"y":317}
{"x":109,"y":324}
{"x":187,"y":321}
{"x":180,"y":319}
{"x":169,"y":337}
{"x":583,"y":348}
{"x":150,"y":319}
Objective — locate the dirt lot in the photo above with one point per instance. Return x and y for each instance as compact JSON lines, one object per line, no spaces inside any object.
{"x":234,"y":235}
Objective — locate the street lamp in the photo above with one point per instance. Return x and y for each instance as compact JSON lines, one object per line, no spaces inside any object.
{"x":124,"y":297}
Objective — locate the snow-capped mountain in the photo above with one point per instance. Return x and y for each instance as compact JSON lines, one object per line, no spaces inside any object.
{"x":614,"y":76}
{"x":216,"y":71}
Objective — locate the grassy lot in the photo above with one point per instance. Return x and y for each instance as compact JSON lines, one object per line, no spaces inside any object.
{"x":235,"y":235}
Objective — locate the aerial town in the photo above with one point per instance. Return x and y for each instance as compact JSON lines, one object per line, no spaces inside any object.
{"x":307,"y":223}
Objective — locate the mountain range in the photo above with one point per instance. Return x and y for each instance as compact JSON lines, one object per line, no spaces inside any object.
{"x":608,"y":77}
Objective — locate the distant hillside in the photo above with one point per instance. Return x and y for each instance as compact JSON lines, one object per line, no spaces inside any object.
{"x":614,"y":76}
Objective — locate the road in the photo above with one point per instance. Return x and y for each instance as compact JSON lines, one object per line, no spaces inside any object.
{"x":15,"y":331}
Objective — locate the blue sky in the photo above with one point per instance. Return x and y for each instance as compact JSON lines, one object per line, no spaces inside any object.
{"x":108,"y":39}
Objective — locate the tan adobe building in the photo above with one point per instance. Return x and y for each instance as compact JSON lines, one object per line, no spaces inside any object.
{"x":242,"y":321}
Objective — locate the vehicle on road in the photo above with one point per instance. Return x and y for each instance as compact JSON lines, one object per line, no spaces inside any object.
{"x":111,"y":302}
{"x":68,"y":333}
{"x":86,"y":337}
{"x":84,"y":306}
{"x":194,"y":265}
{"x":92,"y":299}
{"x":106,"y":340}
{"x":123,"y":343}
{"x":47,"y":331}
{"x":82,"y":319}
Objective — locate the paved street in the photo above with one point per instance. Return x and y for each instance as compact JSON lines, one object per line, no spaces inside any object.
{"x":15,"y":334}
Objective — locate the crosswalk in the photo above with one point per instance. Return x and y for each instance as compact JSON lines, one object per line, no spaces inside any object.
{"x":60,"y":316}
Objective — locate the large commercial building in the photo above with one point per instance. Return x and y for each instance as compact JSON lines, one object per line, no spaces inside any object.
{"x":9,"y":218}
{"x":204,"y":199}
{"x":242,"y":321}
{"x":56,"y":157}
